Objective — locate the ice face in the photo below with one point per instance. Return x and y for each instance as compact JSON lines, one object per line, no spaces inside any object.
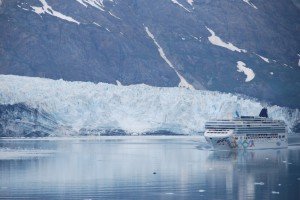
{"x":133,"y":109}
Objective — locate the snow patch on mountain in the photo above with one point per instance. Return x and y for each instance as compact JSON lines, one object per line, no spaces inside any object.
{"x":134,"y":108}
{"x":95,"y":3}
{"x":45,"y":8}
{"x":23,"y":8}
{"x":263,"y":58}
{"x":190,"y":2}
{"x":250,"y":3}
{"x":247,"y":71}
{"x":183,"y":82}
{"x":180,"y":5}
{"x":97,"y":24}
{"x":215,"y":40}
{"x":118,"y":83}
{"x":114,"y":15}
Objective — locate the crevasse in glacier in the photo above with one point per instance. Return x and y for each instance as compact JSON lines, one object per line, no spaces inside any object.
{"x":132,"y":109}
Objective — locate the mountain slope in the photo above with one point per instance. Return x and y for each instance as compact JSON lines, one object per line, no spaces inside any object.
{"x":196,"y":44}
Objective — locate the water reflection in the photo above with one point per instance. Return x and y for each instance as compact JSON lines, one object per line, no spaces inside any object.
{"x":250,"y":174}
{"x":124,"y":169}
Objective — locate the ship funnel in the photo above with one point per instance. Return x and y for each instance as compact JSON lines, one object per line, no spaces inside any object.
{"x":264,"y":113}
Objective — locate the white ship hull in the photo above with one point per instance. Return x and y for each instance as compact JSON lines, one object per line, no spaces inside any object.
{"x":233,"y":141}
{"x":246,"y":132}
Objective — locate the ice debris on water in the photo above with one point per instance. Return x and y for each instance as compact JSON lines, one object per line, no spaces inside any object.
{"x":259,"y":183}
{"x":275,"y":192}
{"x":201,"y":191}
{"x":169,"y":193}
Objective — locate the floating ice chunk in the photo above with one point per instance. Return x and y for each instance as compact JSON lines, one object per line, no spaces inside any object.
{"x":169,"y":193}
{"x":259,"y":183}
{"x":279,"y":184}
{"x":272,"y":73}
{"x":275,"y":192}
{"x":201,"y":191}
{"x":250,"y":4}
{"x":247,"y":71}
{"x":48,"y":9}
{"x":215,"y":40}
{"x":183,"y":83}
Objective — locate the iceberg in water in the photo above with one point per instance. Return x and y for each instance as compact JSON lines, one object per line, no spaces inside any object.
{"x":86,"y":107}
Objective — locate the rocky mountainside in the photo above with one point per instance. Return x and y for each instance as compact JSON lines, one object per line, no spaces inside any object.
{"x":250,"y":47}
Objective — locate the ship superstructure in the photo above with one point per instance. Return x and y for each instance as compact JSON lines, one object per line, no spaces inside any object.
{"x":246,"y":132}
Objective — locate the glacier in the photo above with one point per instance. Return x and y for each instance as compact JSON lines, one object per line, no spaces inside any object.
{"x":134,"y":109}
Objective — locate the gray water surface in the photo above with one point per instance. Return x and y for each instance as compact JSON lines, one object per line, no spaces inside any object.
{"x":143,"y":167}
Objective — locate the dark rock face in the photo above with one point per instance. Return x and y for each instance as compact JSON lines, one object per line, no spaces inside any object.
{"x":19,"y":120}
{"x":112,"y":44}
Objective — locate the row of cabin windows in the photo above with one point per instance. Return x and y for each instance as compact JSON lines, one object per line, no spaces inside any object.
{"x":242,"y":127}
{"x":263,"y":136}
{"x":219,"y":132}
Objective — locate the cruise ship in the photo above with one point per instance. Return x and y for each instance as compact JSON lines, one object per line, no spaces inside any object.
{"x":246,"y":132}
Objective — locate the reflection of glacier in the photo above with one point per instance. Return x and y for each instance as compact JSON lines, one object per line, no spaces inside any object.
{"x":88,"y":107}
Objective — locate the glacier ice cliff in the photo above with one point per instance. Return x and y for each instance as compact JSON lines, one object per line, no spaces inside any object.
{"x":19,"y":120}
{"x":88,"y":108}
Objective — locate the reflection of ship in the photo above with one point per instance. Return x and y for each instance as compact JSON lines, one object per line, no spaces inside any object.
{"x":246,"y":132}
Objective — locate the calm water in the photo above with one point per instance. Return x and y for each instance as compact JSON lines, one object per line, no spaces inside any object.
{"x":144,"y":168}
